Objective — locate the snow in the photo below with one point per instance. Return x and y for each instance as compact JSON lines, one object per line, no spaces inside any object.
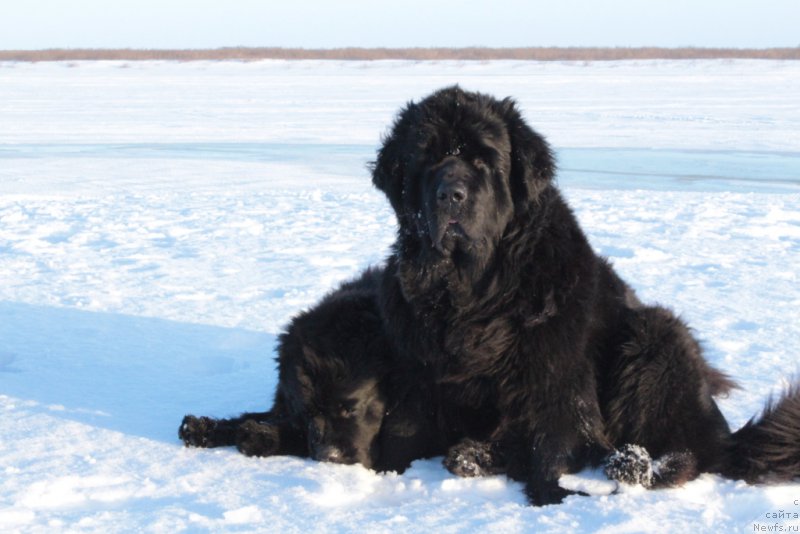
{"x":160,"y":222}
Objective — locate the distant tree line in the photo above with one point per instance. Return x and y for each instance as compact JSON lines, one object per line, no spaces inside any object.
{"x":418,"y":54}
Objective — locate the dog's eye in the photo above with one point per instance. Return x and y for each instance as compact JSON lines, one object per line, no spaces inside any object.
{"x":345,"y":411}
{"x":478,"y":162}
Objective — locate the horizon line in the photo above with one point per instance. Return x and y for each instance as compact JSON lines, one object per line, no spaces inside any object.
{"x":474,"y":53}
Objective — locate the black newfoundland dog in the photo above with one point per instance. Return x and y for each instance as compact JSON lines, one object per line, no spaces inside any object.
{"x":538,"y":358}
{"x":336,"y":400}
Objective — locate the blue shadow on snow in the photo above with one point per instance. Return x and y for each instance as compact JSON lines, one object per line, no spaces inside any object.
{"x":131,"y":374}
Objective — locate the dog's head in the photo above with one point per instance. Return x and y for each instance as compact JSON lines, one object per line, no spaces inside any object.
{"x":457,"y":168}
{"x":332,"y":365}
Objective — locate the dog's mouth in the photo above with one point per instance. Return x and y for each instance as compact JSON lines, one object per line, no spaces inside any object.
{"x":446,"y":235}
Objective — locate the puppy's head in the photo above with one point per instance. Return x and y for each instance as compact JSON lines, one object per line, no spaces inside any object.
{"x":332,"y":366}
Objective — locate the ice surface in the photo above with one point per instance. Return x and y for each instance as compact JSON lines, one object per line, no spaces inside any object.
{"x":160,"y":222}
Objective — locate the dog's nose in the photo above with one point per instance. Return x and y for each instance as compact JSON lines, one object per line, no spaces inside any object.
{"x":329,"y":453}
{"x":451,"y":193}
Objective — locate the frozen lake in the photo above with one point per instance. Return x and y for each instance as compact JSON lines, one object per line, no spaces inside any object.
{"x":593,"y":168}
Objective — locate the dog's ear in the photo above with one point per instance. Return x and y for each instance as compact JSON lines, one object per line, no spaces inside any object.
{"x":389,"y":168}
{"x":387,"y":171}
{"x":532,"y":161}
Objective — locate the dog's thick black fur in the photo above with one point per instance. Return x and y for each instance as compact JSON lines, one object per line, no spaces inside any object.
{"x":539,"y":358}
{"x":335,"y":400}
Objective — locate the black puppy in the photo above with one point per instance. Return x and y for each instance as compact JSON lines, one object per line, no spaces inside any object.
{"x":336,"y":400}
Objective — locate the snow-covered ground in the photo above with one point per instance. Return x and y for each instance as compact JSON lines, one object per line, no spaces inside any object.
{"x":160,"y":222}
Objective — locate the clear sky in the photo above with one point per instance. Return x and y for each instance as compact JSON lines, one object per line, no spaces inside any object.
{"x":36,"y":24}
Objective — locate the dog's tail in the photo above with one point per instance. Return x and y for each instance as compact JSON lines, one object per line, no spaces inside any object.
{"x":767,"y":449}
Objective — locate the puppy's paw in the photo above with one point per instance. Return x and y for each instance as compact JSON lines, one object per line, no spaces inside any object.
{"x":471,"y":458}
{"x":197,"y":431}
{"x":257,"y":439}
{"x":630,"y":465}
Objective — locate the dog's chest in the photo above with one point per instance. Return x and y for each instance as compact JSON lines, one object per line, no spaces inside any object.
{"x":477,"y":348}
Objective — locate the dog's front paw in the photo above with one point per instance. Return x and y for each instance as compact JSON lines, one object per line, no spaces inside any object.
{"x":257,"y":439}
{"x":543,"y":493}
{"x":631,"y":465}
{"x":197,"y":431}
{"x":471,"y":458}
